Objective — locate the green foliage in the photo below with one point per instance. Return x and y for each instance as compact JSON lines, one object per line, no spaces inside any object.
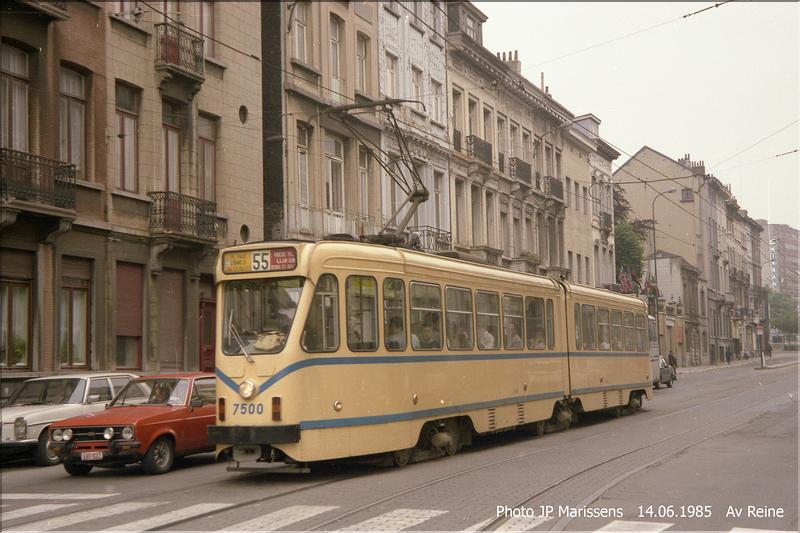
{"x":782,"y":312}
{"x":629,"y":247}
{"x":622,"y":207}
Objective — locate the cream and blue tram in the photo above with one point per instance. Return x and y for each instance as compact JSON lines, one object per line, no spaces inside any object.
{"x":336,"y":349}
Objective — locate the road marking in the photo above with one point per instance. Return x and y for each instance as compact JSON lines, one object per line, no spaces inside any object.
{"x":629,"y":525}
{"x":34,"y":496}
{"x":35,"y":509}
{"x":396,"y":520}
{"x":521,"y":523}
{"x":50,"y":524}
{"x":162,"y":520}
{"x":282,"y":518}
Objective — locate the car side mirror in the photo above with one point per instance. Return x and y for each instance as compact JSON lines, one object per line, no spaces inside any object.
{"x":94,"y":398}
{"x":196,"y":402}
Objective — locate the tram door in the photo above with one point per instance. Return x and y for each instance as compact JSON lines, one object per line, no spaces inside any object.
{"x":207,"y":321}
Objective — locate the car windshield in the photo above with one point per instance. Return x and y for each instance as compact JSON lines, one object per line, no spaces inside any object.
{"x":49,"y":392}
{"x":259,"y":314}
{"x":156,"y":391}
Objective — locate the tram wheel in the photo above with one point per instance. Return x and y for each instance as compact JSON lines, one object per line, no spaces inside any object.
{"x":402,"y":457}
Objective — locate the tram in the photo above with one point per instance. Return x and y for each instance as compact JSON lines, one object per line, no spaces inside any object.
{"x":331,"y":350}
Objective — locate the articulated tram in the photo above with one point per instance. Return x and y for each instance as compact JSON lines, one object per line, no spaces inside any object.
{"x":334,"y":349}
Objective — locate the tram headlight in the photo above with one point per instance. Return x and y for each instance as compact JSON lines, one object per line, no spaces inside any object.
{"x":247,"y":389}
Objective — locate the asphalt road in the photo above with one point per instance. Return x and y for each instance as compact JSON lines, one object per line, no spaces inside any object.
{"x":718,"y":451}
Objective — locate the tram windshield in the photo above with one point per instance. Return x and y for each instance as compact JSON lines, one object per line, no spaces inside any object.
{"x":259,"y":314}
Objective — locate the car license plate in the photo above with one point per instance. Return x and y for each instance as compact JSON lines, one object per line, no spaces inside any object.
{"x":91,"y":456}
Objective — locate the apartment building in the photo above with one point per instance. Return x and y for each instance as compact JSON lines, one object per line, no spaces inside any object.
{"x":128,"y":160}
{"x":781,"y":243}
{"x":507,"y":147}
{"x":320,"y":174}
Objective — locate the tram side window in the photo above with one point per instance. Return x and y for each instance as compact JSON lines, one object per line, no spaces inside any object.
{"x":488,"y":304}
{"x":321,"y":333}
{"x":551,"y":335}
{"x":641,"y":334}
{"x":603,"y":330}
{"x":577,"y":315}
{"x":616,"y":331}
{"x":394,"y":310}
{"x":513,"y":321}
{"x":629,"y":332}
{"x":458,"y":303}
{"x":534,"y":322}
{"x":362,"y":313}
{"x":589,"y":331}
{"x":426,"y":316}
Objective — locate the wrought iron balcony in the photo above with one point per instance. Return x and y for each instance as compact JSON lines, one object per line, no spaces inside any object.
{"x":554,"y":187}
{"x":520,"y":170}
{"x":501,"y":162}
{"x":605,"y":220}
{"x":37,"y":179}
{"x":457,"y":140}
{"x":172,"y":212}
{"x":180,"y":51}
{"x":432,"y":239}
{"x":479,"y":149}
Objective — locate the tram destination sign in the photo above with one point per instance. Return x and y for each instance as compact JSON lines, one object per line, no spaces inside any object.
{"x":269,"y":260}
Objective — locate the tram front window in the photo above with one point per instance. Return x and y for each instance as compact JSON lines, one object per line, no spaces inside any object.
{"x":259,"y":314}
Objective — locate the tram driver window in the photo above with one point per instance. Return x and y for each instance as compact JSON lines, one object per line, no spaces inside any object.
{"x":321,"y":333}
{"x":616,"y":331}
{"x":589,"y":332}
{"x":534,"y":323}
{"x":488,"y":306}
{"x":426,"y":316}
{"x":629,"y":332}
{"x":458,"y":304}
{"x":362,"y":313}
{"x":513,"y":320}
{"x":603,"y":330}
{"x":394,"y":313}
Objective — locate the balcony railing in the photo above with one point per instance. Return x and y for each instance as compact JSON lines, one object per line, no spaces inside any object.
{"x":605,"y":220}
{"x":520,"y":170}
{"x":36,"y":179}
{"x":479,"y":149}
{"x":457,"y":140}
{"x":501,"y":162}
{"x":172,"y":212}
{"x":432,"y":239}
{"x":554,"y":187}
{"x":177,"y":48}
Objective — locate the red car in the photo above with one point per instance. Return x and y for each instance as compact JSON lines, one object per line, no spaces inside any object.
{"x":152,"y":420}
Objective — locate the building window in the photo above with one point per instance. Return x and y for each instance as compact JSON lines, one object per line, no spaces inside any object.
{"x":558,"y":164}
{"x":15,"y":320}
{"x":303,"y":135}
{"x":391,"y":76}
{"x":416,"y":87}
{"x":129,"y":305}
{"x":585,"y":201}
{"x":577,"y":197}
{"x":362,"y":45}
{"x":72,"y":110}
{"x":363,"y":179}
{"x":74,"y":312}
{"x":436,"y":23}
{"x":301,"y":31}
{"x":334,"y":177}
{"x":13,"y":98}
{"x":207,"y":26}
{"x":687,"y":195}
{"x":471,"y":28}
{"x":438,"y":180}
{"x":170,"y":145}
{"x":337,"y":74}
{"x":206,"y":157}
{"x":568,"y":192}
{"x":513,"y":136}
{"x":127,"y":144}
{"x":526,"y":147}
{"x":436,"y":90}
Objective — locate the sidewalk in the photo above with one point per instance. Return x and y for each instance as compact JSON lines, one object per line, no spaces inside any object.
{"x":779,"y":359}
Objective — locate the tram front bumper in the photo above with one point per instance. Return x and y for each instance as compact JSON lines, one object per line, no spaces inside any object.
{"x":238,"y":435}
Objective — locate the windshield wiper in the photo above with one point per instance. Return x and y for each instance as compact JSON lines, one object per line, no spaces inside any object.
{"x":238,"y":338}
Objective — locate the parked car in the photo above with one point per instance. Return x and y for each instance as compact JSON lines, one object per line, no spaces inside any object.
{"x":152,"y":420}
{"x":666,"y":374}
{"x":39,"y":402}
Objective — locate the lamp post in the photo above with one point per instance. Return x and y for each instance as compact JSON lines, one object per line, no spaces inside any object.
{"x":655,"y":262}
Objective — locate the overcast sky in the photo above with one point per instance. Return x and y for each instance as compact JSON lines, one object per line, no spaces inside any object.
{"x":709,"y":85}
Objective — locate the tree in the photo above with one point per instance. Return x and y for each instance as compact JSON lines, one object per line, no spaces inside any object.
{"x":629,"y":248}
{"x":782,"y":312}
{"x":622,"y":207}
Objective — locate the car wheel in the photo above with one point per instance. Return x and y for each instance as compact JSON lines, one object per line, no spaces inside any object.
{"x":159,"y":457}
{"x":43,"y":455}
{"x":669,"y":383}
{"x":658,"y":384}
{"x":77,"y":469}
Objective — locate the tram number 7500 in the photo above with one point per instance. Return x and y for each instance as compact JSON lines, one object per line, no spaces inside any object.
{"x":248,"y":409}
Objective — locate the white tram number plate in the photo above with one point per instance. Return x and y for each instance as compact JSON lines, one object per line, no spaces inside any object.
{"x":91,"y":456}
{"x":259,"y":260}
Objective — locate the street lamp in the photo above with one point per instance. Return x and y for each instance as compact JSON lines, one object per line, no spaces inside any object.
{"x":655,"y":262}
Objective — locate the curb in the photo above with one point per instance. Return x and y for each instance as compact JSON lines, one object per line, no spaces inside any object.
{"x":775,"y":367}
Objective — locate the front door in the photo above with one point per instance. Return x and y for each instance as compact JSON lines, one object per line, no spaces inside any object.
{"x":207,"y":337}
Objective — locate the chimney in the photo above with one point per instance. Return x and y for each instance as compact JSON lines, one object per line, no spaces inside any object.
{"x":541,"y":83}
{"x":512,"y":60}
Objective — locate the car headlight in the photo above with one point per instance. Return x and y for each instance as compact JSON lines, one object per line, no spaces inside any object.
{"x":108,"y":433}
{"x":20,"y":428}
{"x":247,"y":389}
{"x":67,"y":435}
{"x":127,"y":432}
{"x":58,"y":435}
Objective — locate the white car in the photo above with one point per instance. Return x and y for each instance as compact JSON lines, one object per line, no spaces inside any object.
{"x":39,"y":402}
